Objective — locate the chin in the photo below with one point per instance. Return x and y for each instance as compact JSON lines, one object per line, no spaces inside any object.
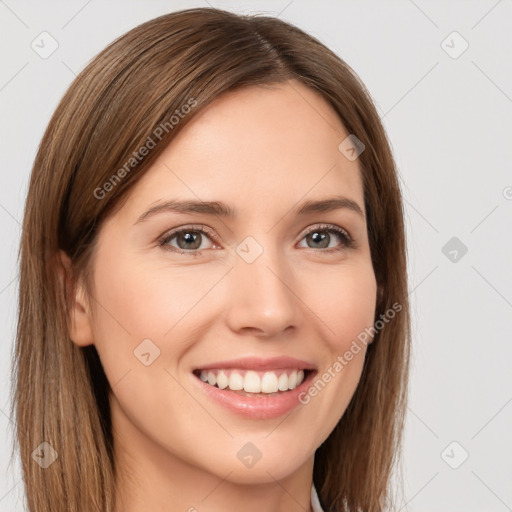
{"x":242,"y":470}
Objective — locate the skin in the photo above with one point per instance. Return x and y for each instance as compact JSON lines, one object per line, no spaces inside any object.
{"x":261,"y":150}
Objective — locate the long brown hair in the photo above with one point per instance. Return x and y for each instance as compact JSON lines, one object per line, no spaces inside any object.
{"x":114,"y":105}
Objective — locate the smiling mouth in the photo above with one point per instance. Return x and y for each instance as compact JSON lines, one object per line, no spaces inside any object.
{"x":254,"y":383}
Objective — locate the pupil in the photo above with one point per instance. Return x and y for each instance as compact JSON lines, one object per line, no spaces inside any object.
{"x":187,"y":237}
{"x":320,"y":239}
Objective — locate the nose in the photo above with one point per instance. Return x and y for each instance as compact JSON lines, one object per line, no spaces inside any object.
{"x":261,"y":296}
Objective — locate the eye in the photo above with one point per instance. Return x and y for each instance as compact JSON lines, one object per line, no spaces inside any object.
{"x":189,"y":240}
{"x":321,"y":237}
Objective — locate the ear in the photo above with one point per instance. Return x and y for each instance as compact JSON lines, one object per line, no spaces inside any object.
{"x":79,"y":321}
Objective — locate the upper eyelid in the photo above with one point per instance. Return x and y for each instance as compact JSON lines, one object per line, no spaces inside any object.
{"x":171,"y":233}
{"x":327,"y":226}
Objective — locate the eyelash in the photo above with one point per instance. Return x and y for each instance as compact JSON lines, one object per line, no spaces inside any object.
{"x":348,"y":241}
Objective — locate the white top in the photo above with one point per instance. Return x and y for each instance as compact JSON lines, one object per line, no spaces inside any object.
{"x":315,"y":503}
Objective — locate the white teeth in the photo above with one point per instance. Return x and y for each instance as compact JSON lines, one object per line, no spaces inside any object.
{"x":212,"y":379}
{"x":236,"y":382}
{"x":251,"y":382}
{"x":269,"y":383}
{"x":282,"y":384}
{"x":222,"y":380}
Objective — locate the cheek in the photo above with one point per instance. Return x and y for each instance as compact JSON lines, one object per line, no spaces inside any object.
{"x":344,"y":301}
{"x":136,"y":303}
{"x":149,"y":301}
{"x":137,"y":300}
{"x":345,"y":308}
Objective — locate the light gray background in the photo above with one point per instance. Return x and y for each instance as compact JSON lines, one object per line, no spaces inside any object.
{"x":450,"y":124}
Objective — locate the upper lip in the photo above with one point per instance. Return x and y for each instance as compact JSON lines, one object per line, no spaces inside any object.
{"x":257,"y":363}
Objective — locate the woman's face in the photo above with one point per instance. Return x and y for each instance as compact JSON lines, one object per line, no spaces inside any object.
{"x":255,"y":286}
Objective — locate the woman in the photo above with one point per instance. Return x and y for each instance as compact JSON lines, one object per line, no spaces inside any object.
{"x":213,"y":292}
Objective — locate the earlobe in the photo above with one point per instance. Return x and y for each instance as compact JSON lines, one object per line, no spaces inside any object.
{"x":79,"y":319}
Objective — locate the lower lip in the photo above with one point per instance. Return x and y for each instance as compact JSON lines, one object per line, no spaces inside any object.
{"x":257,"y":407}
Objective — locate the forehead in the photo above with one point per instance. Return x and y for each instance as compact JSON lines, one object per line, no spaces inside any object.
{"x":261,"y":144}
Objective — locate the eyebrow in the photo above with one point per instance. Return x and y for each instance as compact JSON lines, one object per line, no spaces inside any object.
{"x":221,"y":209}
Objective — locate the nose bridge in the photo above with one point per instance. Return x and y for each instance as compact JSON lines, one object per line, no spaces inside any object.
{"x":261,"y":288}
